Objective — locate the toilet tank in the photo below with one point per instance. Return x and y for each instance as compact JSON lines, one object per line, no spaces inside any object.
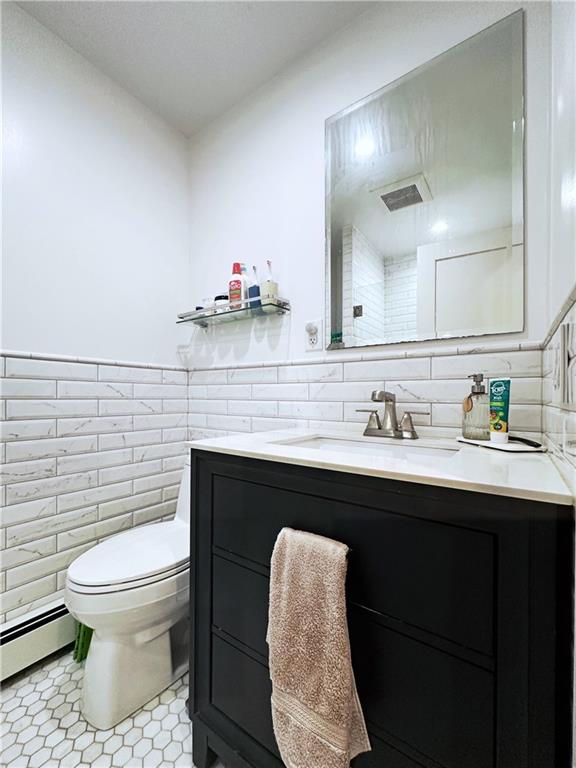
{"x":183,"y":506}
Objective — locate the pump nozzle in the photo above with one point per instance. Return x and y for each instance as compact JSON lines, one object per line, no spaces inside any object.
{"x":478,"y":388}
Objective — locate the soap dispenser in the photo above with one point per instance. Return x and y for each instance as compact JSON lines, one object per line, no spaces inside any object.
{"x":476,"y":411}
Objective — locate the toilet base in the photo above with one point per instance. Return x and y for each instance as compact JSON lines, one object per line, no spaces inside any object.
{"x":124,"y":672}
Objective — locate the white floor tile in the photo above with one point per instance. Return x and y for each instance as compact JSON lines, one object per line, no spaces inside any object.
{"x":56,"y":735}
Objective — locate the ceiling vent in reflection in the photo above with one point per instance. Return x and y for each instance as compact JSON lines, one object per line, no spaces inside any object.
{"x":404,"y":193}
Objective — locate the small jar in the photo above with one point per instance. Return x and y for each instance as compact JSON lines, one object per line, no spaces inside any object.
{"x":220,"y":302}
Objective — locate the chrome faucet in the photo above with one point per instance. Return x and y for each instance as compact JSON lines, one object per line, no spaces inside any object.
{"x":387,"y":426}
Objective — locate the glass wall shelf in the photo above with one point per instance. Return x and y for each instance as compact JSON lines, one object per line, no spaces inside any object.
{"x":245,"y":310}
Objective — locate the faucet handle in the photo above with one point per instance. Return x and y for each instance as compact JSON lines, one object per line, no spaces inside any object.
{"x":373,"y":416}
{"x":407,"y":425}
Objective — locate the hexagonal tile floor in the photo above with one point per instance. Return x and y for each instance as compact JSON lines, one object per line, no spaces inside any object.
{"x":42,"y":725}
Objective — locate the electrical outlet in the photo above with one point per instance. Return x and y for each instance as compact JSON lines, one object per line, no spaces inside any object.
{"x":313,"y":335}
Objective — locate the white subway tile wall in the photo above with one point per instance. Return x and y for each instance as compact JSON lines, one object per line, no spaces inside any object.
{"x":88,"y":450}
{"x":559,"y":387}
{"x":363,"y":281}
{"x":400,"y":293}
{"x":327,"y":395}
{"x":385,"y":288}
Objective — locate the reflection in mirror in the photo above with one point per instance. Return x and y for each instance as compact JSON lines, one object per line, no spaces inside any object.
{"x":425,"y":199}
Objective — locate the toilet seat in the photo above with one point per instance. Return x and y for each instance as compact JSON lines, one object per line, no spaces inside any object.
{"x":119,"y":606}
{"x":86,"y":589}
{"x":132,"y":559}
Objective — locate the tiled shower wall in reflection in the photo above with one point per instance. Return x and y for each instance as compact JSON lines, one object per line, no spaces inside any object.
{"x":384,"y":289}
{"x":88,"y":450}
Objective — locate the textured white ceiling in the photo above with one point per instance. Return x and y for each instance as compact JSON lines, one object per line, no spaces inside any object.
{"x":191,"y":61}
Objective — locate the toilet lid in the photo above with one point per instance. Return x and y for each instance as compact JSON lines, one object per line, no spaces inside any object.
{"x":133,"y":555}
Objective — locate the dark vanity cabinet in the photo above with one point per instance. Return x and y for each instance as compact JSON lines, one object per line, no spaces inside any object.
{"x":460,"y":615}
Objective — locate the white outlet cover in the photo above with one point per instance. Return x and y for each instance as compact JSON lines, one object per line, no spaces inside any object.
{"x":313,"y":334}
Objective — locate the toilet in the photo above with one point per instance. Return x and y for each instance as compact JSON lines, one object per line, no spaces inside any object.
{"x":133,"y":590}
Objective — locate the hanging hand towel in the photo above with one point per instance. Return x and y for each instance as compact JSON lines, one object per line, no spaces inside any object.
{"x":318,"y":720}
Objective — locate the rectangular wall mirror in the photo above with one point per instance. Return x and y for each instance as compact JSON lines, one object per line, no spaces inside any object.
{"x":424,"y":213}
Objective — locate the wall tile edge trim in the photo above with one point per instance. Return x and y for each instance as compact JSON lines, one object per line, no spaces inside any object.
{"x":563,"y":311}
{"x":88,"y":360}
{"x":335,"y":356}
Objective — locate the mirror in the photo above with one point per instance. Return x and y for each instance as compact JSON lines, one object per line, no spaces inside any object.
{"x":424,"y":218}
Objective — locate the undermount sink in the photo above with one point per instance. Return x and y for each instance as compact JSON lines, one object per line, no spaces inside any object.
{"x":407,"y":450}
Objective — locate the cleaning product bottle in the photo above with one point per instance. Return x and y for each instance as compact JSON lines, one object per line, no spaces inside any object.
{"x":254,"y":291}
{"x":236,"y":287}
{"x":476,"y":411}
{"x":269,"y":288}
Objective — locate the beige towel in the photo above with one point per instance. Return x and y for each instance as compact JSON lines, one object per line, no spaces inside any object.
{"x":318,"y":721}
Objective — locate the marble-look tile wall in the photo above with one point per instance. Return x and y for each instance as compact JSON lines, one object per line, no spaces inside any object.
{"x":559,"y":390}
{"x":88,"y":449}
{"x":326,"y":395}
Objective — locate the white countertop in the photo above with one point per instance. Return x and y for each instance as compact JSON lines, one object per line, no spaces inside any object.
{"x":525,"y":476}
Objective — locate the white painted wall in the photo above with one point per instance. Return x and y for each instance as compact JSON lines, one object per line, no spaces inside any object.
{"x":563,"y":156}
{"x":257,"y":174}
{"x":95,"y":227}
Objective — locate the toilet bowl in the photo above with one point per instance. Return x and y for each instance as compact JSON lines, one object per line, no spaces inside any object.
{"x":133,"y":591}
